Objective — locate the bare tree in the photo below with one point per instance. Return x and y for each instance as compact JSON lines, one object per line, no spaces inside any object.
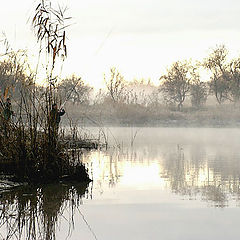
{"x":15,"y":75}
{"x":216,"y":63}
{"x":176,"y":83}
{"x":75,"y":90}
{"x":234,"y":75}
{"x":99,"y":97}
{"x":198,"y":90}
{"x":140,"y":91}
{"x":116,"y":86}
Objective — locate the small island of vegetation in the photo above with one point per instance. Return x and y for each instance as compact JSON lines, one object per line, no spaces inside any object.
{"x":32,"y":148}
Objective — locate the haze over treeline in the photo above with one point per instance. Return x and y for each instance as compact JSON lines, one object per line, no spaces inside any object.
{"x":182,"y":96}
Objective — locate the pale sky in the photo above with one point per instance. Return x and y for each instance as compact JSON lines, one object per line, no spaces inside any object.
{"x":139,"y":37}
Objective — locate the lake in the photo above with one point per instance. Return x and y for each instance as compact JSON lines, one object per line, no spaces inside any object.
{"x":150,"y":184}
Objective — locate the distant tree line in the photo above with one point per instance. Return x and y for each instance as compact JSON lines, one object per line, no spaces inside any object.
{"x":181,"y":81}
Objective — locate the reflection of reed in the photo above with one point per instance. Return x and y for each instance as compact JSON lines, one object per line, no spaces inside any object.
{"x":104,"y":166}
{"x":34,"y":213}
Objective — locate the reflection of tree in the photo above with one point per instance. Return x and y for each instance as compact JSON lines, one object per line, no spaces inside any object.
{"x":103,"y":166}
{"x":214,"y":194}
{"x":113,"y":169}
{"x":188,"y":170}
{"x":215,"y":181}
{"x":34,"y":213}
{"x":177,"y":170}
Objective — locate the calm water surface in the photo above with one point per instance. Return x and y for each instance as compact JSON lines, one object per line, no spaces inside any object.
{"x":151,"y":184}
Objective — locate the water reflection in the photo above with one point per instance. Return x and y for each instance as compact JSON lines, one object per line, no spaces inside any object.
{"x":193,"y":169}
{"x":196,"y":176}
{"x":35,"y":213}
{"x":166,"y":180}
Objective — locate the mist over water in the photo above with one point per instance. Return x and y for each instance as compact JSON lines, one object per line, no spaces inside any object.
{"x":172,"y":183}
{"x":183,"y":160}
{"x":151,"y":183}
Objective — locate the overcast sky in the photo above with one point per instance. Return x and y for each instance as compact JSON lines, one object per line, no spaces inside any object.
{"x":139,"y":37}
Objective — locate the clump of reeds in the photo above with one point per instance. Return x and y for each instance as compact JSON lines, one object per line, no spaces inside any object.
{"x":32,"y":151}
{"x":31,"y":148}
